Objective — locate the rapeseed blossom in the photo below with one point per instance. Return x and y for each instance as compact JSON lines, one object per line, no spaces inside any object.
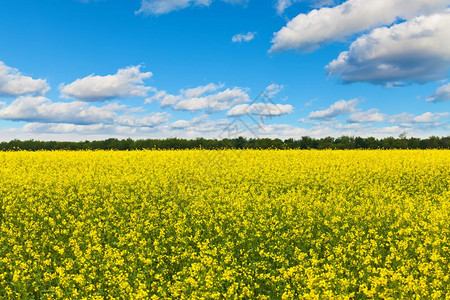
{"x":231,"y":224}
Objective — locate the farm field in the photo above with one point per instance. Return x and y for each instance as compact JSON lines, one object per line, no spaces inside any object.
{"x":229,"y":224}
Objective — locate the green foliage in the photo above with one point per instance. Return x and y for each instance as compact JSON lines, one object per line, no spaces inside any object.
{"x":306,"y":142}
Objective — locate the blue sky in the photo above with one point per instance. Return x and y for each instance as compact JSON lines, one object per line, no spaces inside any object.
{"x":77,"y":70}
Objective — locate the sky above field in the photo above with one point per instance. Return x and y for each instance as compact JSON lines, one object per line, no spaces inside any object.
{"x":84,"y":70}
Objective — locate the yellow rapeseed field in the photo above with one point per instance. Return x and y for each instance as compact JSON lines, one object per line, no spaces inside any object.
{"x":231,"y":224}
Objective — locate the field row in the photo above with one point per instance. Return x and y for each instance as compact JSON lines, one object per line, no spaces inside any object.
{"x":231,"y":224}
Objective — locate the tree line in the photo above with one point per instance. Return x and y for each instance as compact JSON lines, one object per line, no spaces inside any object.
{"x":343,"y":142}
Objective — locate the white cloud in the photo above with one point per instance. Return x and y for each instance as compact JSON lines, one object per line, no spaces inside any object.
{"x":350,"y":129}
{"x":429,"y":117}
{"x":325,"y":25}
{"x":414,"y":51}
{"x":371,"y":115}
{"x":126,"y":83}
{"x":243,"y":37}
{"x":341,"y":107}
{"x":282,"y":5}
{"x":283,"y":131}
{"x":203,"y":127}
{"x":209,"y":98}
{"x":41,"y":109}
{"x":160,"y":7}
{"x":74,"y":132}
{"x":14,"y":83}
{"x":62,"y":128}
{"x":164,"y":99}
{"x":197,"y":127}
{"x":200,"y":125}
{"x":181,"y":124}
{"x":261,"y":109}
{"x":273,"y":89}
{"x":403,"y":118}
{"x":167,"y":100}
{"x":149,"y":120}
{"x":441,"y":94}
{"x":410,"y":120}
{"x":216,"y":102}
{"x":201,"y":90}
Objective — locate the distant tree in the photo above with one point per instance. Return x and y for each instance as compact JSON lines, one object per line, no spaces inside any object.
{"x":240,"y":143}
{"x":360,"y":143}
{"x":326,"y":143}
{"x":343,"y":142}
{"x":308,"y":143}
{"x":433,"y":142}
{"x":388,"y":143}
{"x":402,"y":142}
{"x":413,"y":143}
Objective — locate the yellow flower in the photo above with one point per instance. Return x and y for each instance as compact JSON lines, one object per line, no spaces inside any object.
{"x":233,"y":224}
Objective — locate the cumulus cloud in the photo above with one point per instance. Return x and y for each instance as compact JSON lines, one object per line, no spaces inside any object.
{"x":441,"y":94}
{"x":283,"y":131}
{"x":160,"y":7}
{"x":369,"y":116}
{"x":410,"y":120}
{"x":413,"y":51}
{"x":13,"y":83}
{"x":63,"y":128}
{"x":148,"y":120}
{"x":337,"y":129}
{"x":197,"y":127}
{"x":282,"y":5}
{"x":201,"y":90}
{"x":67,"y":131}
{"x":181,"y":124}
{"x":429,"y":117}
{"x":201,"y":124}
{"x":273,"y":89}
{"x":203,"y":127}
{"x":222,"y":100}
{"x":341,"y":107}
{"x":403,"y":118}
{"x":43,"y":110}
{"x":309,"y":31}
{"x":209,"y":98}
{"x":261,"y":109}
{"x":74,"y":132}
{"x":126,"y":83}
{"x":165,"y":100}
{"x":243,"y":37}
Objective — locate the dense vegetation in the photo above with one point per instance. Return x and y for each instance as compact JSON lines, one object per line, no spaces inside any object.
{"x":226,"y":224}
{"x":343,"y":142}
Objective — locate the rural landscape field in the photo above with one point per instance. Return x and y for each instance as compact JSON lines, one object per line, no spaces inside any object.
{"x":225,"y":224}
